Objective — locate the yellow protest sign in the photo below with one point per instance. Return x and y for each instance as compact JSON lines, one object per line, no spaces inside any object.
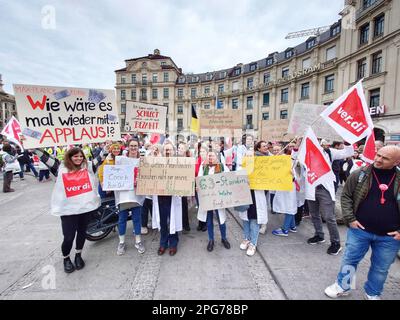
{"x":269,"y":173}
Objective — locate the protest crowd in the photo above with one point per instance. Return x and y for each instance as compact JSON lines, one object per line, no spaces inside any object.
{"x":297,"y":179}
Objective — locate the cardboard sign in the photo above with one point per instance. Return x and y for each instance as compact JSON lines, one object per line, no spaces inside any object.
{"x":52,"y":116}
{"x":223,"y":190}
{"x":118,"y":178}
{"x":305,"y":115}
{"x":76,"y":183}
{"x":166,"y":176}
{"x":220,"y":123}
{"x":269,"y":173}
{"x":275,"y":130}
{"x":143,"y":117}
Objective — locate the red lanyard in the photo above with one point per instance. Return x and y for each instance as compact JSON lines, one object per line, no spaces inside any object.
{"x":383,"y":187}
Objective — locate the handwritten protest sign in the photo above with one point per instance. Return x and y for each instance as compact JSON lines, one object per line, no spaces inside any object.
{"x":166,"y":176}
{"x":143,"y":117}
{"x":223,"y":190}
{"x":269,"y":173}
{"x":305,"y":115}
{"x":220,"y":123}
{"x":118,"y":177}
{"x":52,"y":116}
{"x":275,"y":130}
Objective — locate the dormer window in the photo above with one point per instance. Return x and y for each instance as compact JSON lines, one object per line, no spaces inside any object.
{"x":288,"y":54}
{"x":237,"y":71}
{"x":335,"y":30}
{"x":163,"y":63}
{"x":310,"y":43}
{"x":208,"y":76}
{"x":223,"y":74}
{"x":253,"y":66}
{"x":270,"y":61}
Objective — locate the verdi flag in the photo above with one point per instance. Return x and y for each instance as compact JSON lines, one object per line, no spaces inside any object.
{"x":369,"y":149}
{"x":311,"y":156}
{"x":194,"y":125}
{"x":12,"y":131}
{"x":349,"y":115}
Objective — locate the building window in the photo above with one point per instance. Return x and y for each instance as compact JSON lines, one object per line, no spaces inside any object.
{"x":310,"y":43}
{"x":180,"y":124}
{"x":123,"y":94}
{"x":249,"y":121}
{"x":379,"y":24}
{"x":364,"y":34}
{"x":330,"y":53}
{"x":133,"y":94}
{"x":193,"y":92}
{"x":306,"y":63}
{"x":266,"y":99}
{"x":284,"y":114}
{"x":154,"y":93}
{"x":235,"y":86}
{"x":305,"y":91}
{"x":265,"y":116}
{"x":166,"y":93}
{"x":329,"y":83}
{"x":285,"y":95}
{"x":144,"y":79}
{"x":143,"y":94}
{"x":133,"y":76}
{"x":368,"y":3}
{"x":166,"y":76}
{"x":250,"y":83}
{"x":267,"y":77}
{"x":207,"y":91}
{"x":377,"y":63}
{"x":180,"y":109}
{"x":374,"y":98}
{"x":180,"y":92}
{"x":123,"y":124}
{"x":207,"y":106}
{"x":249,"y":103}
{"x":223,"y":74}
{"x":361,"y":68}
{"x":220,"y":88}
{"x":288,"y":54}
{"x":335,"y":30}
{"x":208,"y":76}
{"x":123,"y":79}
{"x":285,"y":72}
{"x":163,"y":63}
{"x":220,"y":104}
{"x":253,"y":66}
{"x":235,"y":103}
{"x":123,"y":108}
{"x":155,"y":77}
{"x":181,"y":79}
{"x":237,"y":71}
{"x":270,"y":61}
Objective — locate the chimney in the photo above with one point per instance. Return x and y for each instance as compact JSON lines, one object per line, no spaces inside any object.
{"x":156,"y":52}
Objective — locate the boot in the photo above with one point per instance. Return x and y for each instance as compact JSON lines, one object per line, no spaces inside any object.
{"x":68,"y":265}
{"x":79,"y":263}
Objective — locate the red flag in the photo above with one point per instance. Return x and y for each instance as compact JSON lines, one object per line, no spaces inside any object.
{"x":155,"y":138}
{"x":12,"y":131}
{"x":369,"y":149}
{"x":311,"y":156}
{"x":349,"y":115}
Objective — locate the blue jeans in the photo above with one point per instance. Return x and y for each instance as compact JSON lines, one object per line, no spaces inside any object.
{"x":32,"y":167}
{"x":289,"y":222}
{"x":384,"y":251}
{"x":167,"y":240}
{"x":210,"y":225}
{"x":250,"y":231}
{"x":136,"y":220}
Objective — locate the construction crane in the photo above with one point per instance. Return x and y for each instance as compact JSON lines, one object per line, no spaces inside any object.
{"x":309,"y":32}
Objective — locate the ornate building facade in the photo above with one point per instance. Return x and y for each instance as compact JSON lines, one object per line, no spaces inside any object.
{"x":364,"y":43}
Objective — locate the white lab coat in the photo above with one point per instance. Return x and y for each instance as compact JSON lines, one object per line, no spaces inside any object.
{"x":261,"y":207}
{"x":175,"y":221}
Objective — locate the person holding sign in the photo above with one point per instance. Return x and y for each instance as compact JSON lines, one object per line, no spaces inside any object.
{"x":127,"y":199}
{"x":115,"y":150}
{"x":74,"y":198}
{"x":167,"y":215}
{"x":213,"y":166}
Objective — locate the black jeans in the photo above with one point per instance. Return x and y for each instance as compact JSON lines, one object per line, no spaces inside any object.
{"x":147,"y":207}
{"x":74,"y":225}
{"x":185,"y":214}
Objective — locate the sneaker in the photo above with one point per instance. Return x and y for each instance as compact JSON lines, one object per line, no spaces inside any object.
{"x":144,"y":230}
{"x":251,"y":251}
{"x":140,"y":247}
{"x":315,"y":240}
{"x":263,"y":229}
{"x":368,"y":297}
{"x":280,"y":232}
{"x":294,"y":230}
{"x":244,"y":245}
{"x":335,"y":291}
{"x":121,"y":249}
{"x":334,"y":249}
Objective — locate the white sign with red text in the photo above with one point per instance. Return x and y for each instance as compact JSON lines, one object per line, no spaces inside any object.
{"x":52,"y":116}
{"x":143,"y":117}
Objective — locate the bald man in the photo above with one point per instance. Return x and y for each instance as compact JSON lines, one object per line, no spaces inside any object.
{"x":371,"y":208}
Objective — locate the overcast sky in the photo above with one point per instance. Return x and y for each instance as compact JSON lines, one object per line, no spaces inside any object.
{"x":87,"y":40}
